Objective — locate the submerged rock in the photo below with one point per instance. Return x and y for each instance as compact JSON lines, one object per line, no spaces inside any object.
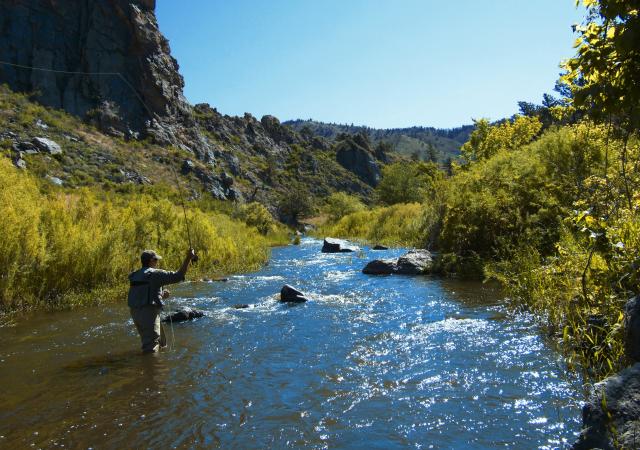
{"x":331,"y":245}
{"x":217,"y":279}
{"x":611,"y":418}
{"x":241,"y":306}
{"x":291,"y":294}
{"x":380,"y":247}
{"x":414,"y":262}
{"x":183,"y":314}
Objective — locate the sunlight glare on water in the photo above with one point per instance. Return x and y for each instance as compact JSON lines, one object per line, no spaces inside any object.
{"x":369,"y":362}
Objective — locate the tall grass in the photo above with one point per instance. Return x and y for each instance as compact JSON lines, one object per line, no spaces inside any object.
{"x":397,"y":225}
{"x":66,"y":245}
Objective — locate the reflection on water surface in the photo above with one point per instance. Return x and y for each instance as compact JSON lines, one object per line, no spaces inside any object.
{"x":370,"y":362}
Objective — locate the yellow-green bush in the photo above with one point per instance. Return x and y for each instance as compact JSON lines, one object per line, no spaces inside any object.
{"x":65,"y":243}
{"x":256,"y":215}
{"x":407,"y":182}
{"x":397,"y":225}
{"x":581,"y":285}
{"x":487,"y":140}
{"x":340,"y":204}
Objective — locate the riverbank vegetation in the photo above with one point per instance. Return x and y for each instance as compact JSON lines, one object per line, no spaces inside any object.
{"x":61,"y":247}
{"x":547,"y":202}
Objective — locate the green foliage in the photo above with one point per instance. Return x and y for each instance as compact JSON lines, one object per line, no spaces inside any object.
{"x":58,"y":244}
{"x":340,"y":204}
{"x":519,"y":197}
{"x":256,"y":215}
{"x":296,"y":203}
{"x":407,"y":182}
{"x":550,"y":219}
{"x":604,"y":76}
{"x":397,"y":225}
{"x":500,"y":202}
{"x":581,"y":286}
{"x":487,"y":140}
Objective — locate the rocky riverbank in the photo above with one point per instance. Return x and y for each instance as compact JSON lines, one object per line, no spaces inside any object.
{"x":611,"y":417}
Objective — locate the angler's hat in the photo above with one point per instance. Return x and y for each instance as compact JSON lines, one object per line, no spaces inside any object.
{"x":147,"y":256}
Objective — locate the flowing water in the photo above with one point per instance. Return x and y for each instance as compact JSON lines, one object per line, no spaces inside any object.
{"x":369,"y":362}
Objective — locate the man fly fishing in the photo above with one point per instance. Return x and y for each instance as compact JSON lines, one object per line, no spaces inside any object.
{"x":146,"y":293}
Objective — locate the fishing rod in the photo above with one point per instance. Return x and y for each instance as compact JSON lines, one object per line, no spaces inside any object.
{"x":184,"y":210}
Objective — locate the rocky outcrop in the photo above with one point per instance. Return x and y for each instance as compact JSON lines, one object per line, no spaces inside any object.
{"x":118,"y":37}
{"x":354,"y":154}
{"x":415,"y":262}
{"x":182,"y":315}
{"x":290,"y":294}
{"x":611,"y":417}
{"x":331,"y":245}
{"x":278,"y":132}
{"x":632,"y":329}
{"x":107,"y":62}
{"x":47,"y":145}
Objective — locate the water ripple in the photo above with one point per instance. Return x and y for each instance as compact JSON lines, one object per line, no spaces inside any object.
{"x":388,"y":362}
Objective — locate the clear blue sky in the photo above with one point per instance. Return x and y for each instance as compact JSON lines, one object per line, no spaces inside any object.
{"x":380,"y":63}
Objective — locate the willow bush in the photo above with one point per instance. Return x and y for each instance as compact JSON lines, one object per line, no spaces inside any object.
{"x":61,"y":245}
{"x":397,"y":225}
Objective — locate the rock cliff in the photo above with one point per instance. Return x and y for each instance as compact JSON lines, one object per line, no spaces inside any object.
{"x":107,"y":62}
{"x":116,"y":41}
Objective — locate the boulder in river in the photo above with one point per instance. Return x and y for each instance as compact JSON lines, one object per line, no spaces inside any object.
{"x":632,"y":330}
{"x":381,"y":267}
{"x":291,"y":294}
{"x":331,"y":245}
{"x":380,"y":247}
{"x":183,"y":314}
{"x":414,"y":262}
{"x":611,"y":418}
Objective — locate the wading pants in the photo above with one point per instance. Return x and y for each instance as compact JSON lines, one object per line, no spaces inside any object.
{"x":147,"y":321}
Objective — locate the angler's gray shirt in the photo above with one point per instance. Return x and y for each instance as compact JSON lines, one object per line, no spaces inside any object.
{"x":145,"y":286}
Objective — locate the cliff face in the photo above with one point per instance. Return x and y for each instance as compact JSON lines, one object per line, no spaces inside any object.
{"x":134,"y":89}
{"x":96,"y":36}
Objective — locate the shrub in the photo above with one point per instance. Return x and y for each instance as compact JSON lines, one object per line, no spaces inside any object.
{"x":340,"y":204}
{"x":256,"y":215}
{"x":487,"y":140}
{"x":61,"y":244}
{"x":407,"y":182}
{"x":397,"y":225}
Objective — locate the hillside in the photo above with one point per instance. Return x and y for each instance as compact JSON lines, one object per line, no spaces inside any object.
{"x":425,"y":142}
{"x":108,"y":92}
{"x":249,"y":159}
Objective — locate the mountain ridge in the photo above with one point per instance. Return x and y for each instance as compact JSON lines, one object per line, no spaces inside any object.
{"x":416,"y":141}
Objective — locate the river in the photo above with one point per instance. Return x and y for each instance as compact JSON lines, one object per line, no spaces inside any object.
{"x":370,"y":362}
